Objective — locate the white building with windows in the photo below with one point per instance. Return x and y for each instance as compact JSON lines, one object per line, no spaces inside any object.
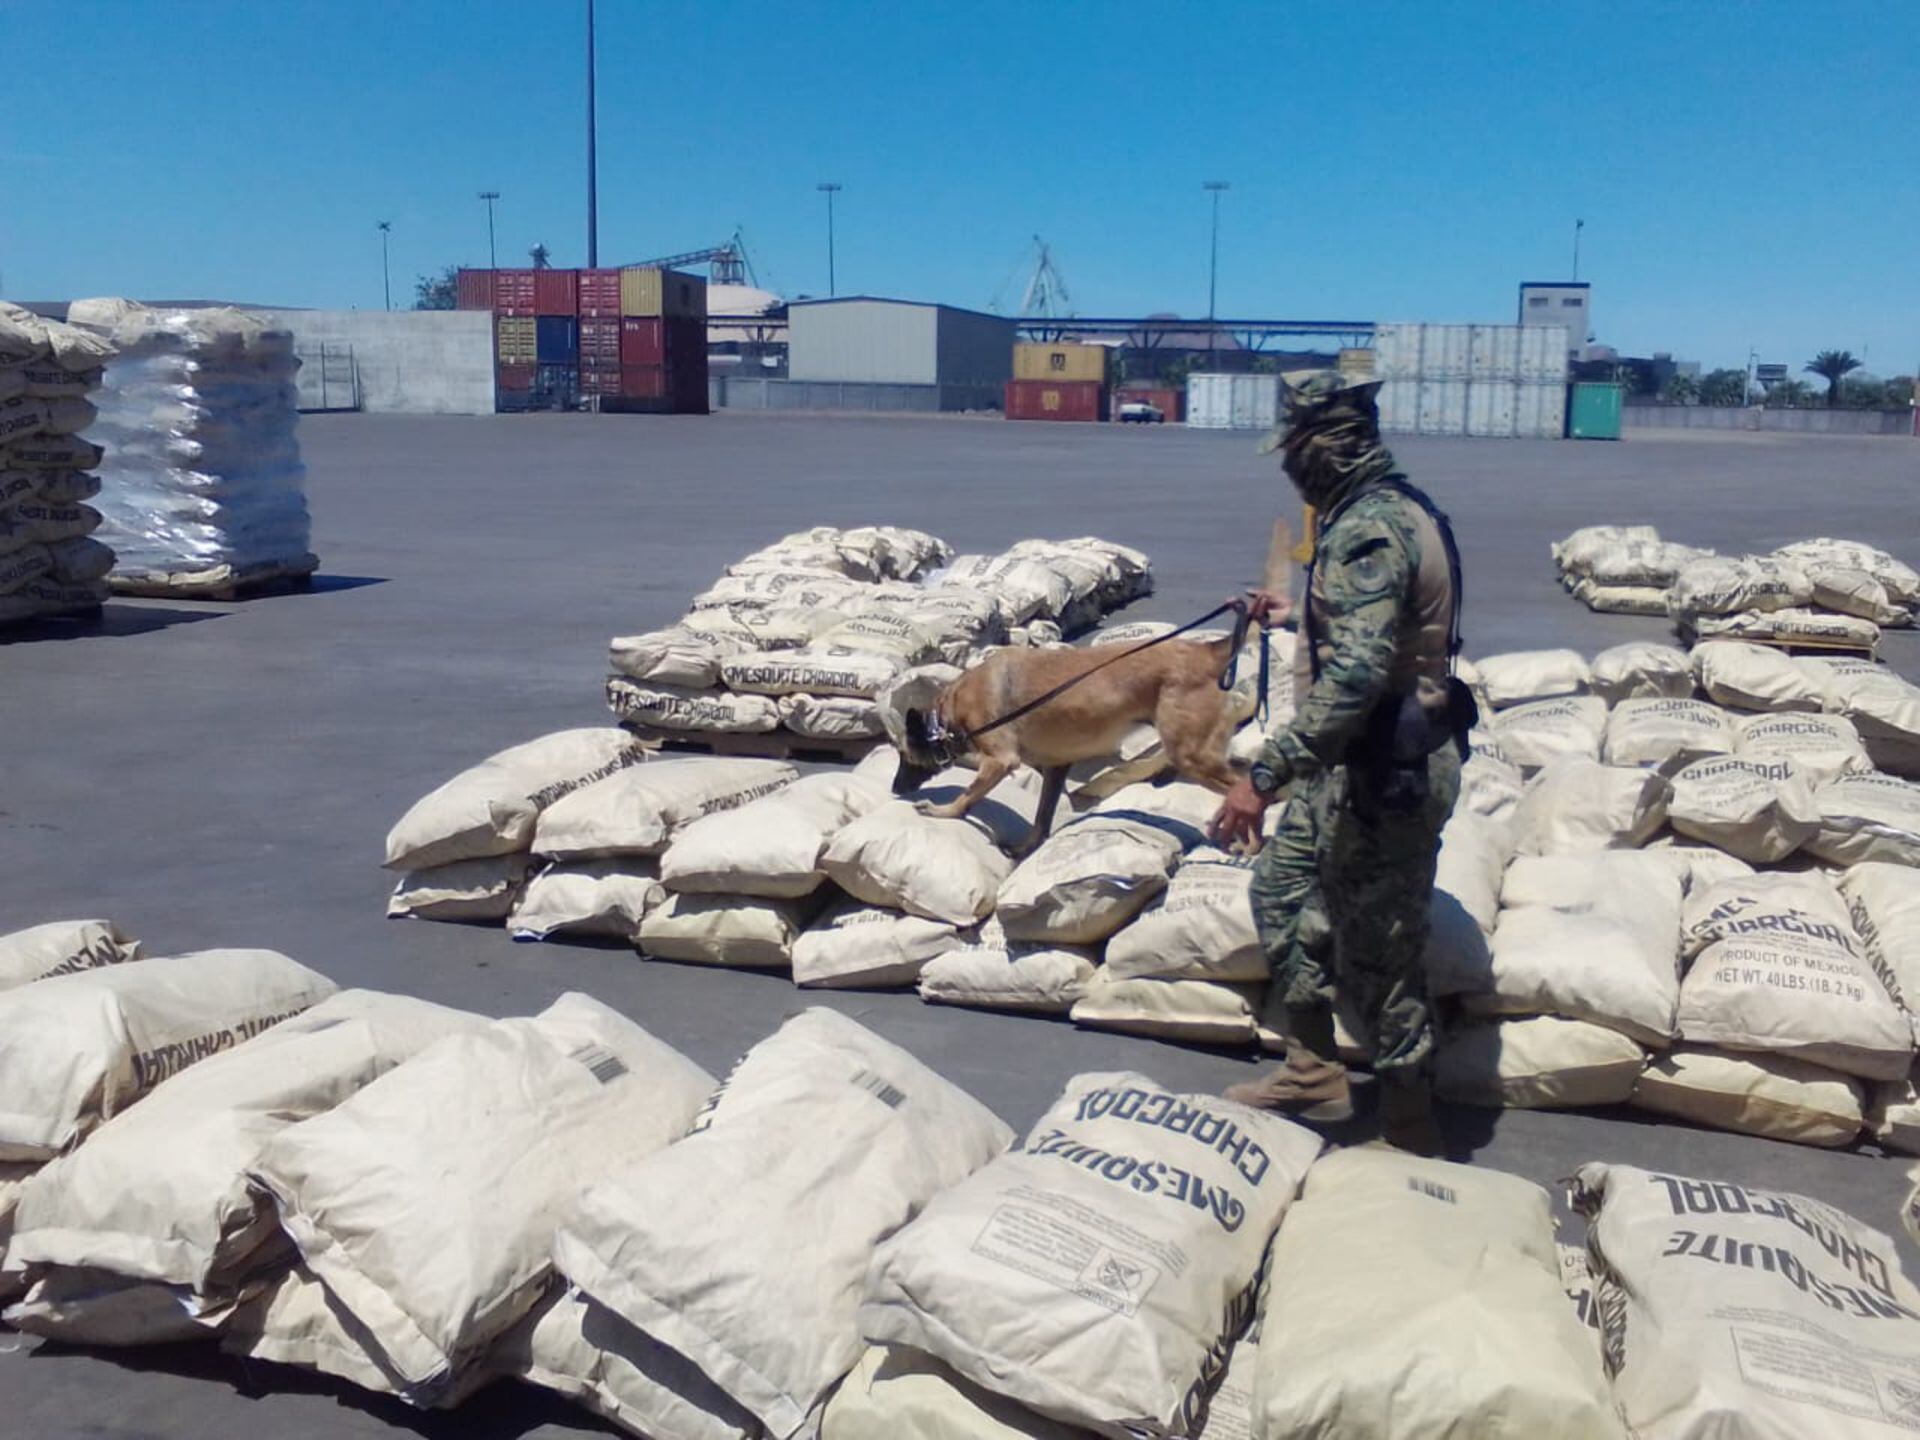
{"x":1560,"y":302}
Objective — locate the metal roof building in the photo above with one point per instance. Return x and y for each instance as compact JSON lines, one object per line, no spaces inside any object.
{"x":862,"y":339}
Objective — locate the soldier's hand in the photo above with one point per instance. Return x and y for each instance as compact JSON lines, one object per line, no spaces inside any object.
{"x":1240,"y":815}
{"x":1265,"y":607}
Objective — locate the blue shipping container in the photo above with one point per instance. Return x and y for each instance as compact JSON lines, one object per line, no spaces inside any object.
{"x":557,"y":340}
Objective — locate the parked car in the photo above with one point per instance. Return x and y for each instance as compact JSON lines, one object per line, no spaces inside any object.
{"x":1140,"y":412}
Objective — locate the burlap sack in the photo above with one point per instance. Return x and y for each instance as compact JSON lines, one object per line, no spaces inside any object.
{"x":1653,"y":564}
{"x":899,"y":1394}
{"x":744,"y":932}
{"x":1746,"y":676}
{"x":1576,"y":1278}
{"x":1578,"y":551}
{"x":1641,"y":669}
{"x":584,"y":1351}
{"x":1795,"y":626}
{"x":883,"y":633}
{"x":1490,"y":784}
{"x":1847,"y":591}
{"x":1201,"y":928}
{"x":1697,"y":865}
{"x":771,"y":847}
{"x":1621,"y":599}
{"x":1458,"y":958}
{"x":1533,"y":734}
{"x":673,"y":656}
{"x":1883,"y":901}
{"x":995,"y":973}
{"x":1541,"y":1062}
{"x":1820,"y":747}
{"x":864,"y":946}
{"x":666,"y":707}
{"x":1524,"y":675}
{"x":1592,"y":937}
{"x":1666,"y":733}
{"x":816,"y":669}
{"x":78,"y":1049}
{"x":1413,"y":1297}
{"x":1198,"y":1012}
{"x":1759,"y":810}
{"x":491,"y":809}
{"x":1893,"y":1115}
{"x":941,"y":869}
{"x":92,"y":1307}
{"x":1883,"y":707}
{"x":1867,"y":817}
{"x":831,"y":717}
{"x":1474,"y":852}
{"x":637,"y":811}
{"x":1724,"y":585}
{"x":776,"y":584}
{"x":1576,"y":805}
{"x":1732,"y":1311}
{"x":788,"y":627}
{"x":1901,"y":581}
{"x":42,"y":951}
{"x":745,"y":1251}
{"x":1094,"y":874}
{"x":1099,"y":1274}
{"x":159,"y":1193}
{"x":607,"y":898}
{"x":1777,"y":967}
{"x":427,"y":1202}
{"x":485,"y":889}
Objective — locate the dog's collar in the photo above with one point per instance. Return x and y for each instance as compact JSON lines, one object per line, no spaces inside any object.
{"x":946,"y":746}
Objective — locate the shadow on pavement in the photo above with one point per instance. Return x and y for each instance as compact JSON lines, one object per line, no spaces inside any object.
{"x":504,"y":1410}
{"x":113,"y":619}
{"x":321,"y":583}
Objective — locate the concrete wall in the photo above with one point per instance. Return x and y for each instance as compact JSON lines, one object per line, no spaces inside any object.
{"x":1791,"y":422}
{"x":974,"y":349}
{"x":889,"y":342}
{"x":738,"y":392}
{"x":401,"y":362}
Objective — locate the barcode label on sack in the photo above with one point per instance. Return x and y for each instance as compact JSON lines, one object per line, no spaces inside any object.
{"x":605,"y":1066}
{"x":879,"y":1087}
{"x":1433,"y":1190}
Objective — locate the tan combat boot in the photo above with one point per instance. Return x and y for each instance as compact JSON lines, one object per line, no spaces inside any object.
{"x":1309,"y":1087}
{"x":1406,"y":1115}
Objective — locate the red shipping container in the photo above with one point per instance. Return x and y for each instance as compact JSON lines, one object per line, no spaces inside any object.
{"x":473,"y":290}
{"x":555,"y":292}
{"x":1171,"y":403}
{"x":599,"y":294}
{"x":644,"y":382}
{"x":599,"y":380}
{"x":1056,"y":400}
{"x":642,"y":341}
{"x":600,"y":340}
{"x":515,"y":292}
{"x":514,"y":377}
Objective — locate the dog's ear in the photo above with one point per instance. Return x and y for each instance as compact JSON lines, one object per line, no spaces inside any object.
{"x":917,"y":734}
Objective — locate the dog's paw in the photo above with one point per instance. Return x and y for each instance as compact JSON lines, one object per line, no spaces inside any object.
{"x":925,"y":807}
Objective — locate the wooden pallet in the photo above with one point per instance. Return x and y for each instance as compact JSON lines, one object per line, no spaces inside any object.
{"x":1794,"y":644}
{"x":229,"y":590}
{"x":765,"y":745}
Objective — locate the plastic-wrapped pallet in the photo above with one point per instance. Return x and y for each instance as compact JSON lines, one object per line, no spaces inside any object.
{"x":48,"y":565}
{"x":203,"y":489}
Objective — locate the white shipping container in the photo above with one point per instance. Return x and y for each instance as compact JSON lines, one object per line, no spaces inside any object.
{"x":1540,"y":410}
{"x":1543,"y":354}
{"x":1399,"y":403}
{"x":1233,"y":402}
{"x":1444,"y":351}
{"x":1493,"y":406}
{"x":1495,"y":353}
{"x":1396,"y":350}
{"x":1443,"y":407}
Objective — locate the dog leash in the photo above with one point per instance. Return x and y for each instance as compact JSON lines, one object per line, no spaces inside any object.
{"x":1226,"y":679}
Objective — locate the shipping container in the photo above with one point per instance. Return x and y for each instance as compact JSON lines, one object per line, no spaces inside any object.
{"x":1356,"y":363}
{"x":518,"y":339}
{"x":599,"y":294}
{"x":1061,"y":362}
{"x":644,"y":382}
{"x":600,"y":340}
{"x":1396,"y":350}
{"x":1494,"y":353}
{"x":557,"y":386}
{"x":1171,"y":403}
{"x":473,"y":290}
{"x":556,"y":292}
{"x":600,"y":379}
{"x":1593,"y":411}
{"x":1493,"y":407}
{"x":1445,"y":351}
{"x":1399,"y":402}
{"x":1543,"y":353}
{"x":647,"y":291}
{"x":1056,"y":400}
{"x":686,"y":338}
{"x":1540,"y":410}
{"x":1233,"y":402}
{"x":643,"y":341}
{"x":557,"y":340}
{"x":514,"y":293}
{"x":514,"y":376}
{"x":1443,"y":407}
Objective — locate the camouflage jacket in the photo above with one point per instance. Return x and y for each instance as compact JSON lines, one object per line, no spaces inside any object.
{"x":1362,"y":586}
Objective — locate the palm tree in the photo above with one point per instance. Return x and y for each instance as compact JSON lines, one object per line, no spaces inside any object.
{"x":1830,"y":365}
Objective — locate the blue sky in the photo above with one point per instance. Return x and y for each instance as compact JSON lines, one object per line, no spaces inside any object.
{"x":1749,"y":173}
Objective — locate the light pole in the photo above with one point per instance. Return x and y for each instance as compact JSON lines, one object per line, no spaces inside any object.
{"x":490,"y":196}
{"x":1213,"y":262}
{"x":593,"y":162}
{"x":829,"y":188}
{"x":386,"y":287}
{"x":1578,"y":226}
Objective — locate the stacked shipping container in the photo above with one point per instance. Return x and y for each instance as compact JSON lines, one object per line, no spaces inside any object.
{"x":1492,"y":380}
{"x":634,"y":339}
{"x":1058,"y":382}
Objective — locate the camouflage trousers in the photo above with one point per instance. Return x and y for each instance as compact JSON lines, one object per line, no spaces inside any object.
{"x":1340,"y":899}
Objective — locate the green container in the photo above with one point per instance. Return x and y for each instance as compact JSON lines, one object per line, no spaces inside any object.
{"x":1593,"y":411}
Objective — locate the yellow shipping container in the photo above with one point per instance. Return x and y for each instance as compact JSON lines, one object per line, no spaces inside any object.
{"x":645,"y":291}
{"x":1060,"y":362}
{"x":519,"y":342}
{"x":1358,"y":363}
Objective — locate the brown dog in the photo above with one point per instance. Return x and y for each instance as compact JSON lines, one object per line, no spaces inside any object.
{"x":1174,"y":686}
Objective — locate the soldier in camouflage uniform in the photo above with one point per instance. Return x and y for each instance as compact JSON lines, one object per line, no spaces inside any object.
{"x":1371,"y":763}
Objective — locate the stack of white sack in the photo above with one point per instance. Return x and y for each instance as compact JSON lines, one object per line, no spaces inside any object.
{"x":203,"y":489}
{"x":803,"y":635}
{"x":49,"y":564}
{"x":1621,"y":569}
